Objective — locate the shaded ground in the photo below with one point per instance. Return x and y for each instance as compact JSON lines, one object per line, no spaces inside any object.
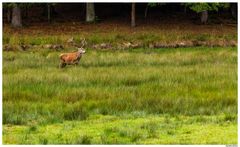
{"x":122,"y":25}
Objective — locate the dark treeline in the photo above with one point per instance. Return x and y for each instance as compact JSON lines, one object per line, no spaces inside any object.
{"x":23,"y":13}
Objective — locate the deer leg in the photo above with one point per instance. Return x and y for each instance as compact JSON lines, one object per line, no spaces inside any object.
{"x":62,"y":64}
{"x":75,"y":62}
{"x":72,"y":62}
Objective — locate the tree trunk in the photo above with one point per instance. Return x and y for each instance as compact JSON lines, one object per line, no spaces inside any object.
{"x":133,"y":16}
{"x":234,"y":10}
{"x":83,"y":12}
{"x":9,"y":12}
{"x":49,"y":12}
{"x":16,"y":17}
{"x":146,"y":11}
{"x":204,"y":17}
{"x":26,"y":12}
{"x":90,"y":12}
{"x":185,"y":10}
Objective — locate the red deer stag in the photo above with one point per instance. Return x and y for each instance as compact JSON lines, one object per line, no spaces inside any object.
{"x":72,"y":58}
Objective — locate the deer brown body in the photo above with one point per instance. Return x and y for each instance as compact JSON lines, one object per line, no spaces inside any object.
{"x":71,"y":58}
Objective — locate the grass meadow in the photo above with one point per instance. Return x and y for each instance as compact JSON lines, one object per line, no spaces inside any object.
{"x":134,"y":96}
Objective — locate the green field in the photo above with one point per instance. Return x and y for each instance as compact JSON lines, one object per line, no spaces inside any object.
{"x":136,"y":96}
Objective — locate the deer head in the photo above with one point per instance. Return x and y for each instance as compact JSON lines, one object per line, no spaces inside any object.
{"x":81,"y":50}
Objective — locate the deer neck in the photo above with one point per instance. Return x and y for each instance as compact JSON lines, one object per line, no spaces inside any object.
{"x":78,"y":54}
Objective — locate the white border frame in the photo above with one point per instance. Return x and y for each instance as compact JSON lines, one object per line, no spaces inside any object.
{"x":117,"y":1}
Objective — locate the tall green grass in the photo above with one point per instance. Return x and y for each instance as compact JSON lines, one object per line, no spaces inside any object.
{"x":184,"y":81}
{"x":151,"y":129}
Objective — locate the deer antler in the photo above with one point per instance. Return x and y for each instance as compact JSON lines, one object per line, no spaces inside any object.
{"x":83,"y":42}
{"x":80,"y":45}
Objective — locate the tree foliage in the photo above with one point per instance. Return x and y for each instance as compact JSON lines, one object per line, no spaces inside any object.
{"x":26,"y":5}
{"x":155,"y":4}
{"x":21,"y":5}
{"x":199,"y":7}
